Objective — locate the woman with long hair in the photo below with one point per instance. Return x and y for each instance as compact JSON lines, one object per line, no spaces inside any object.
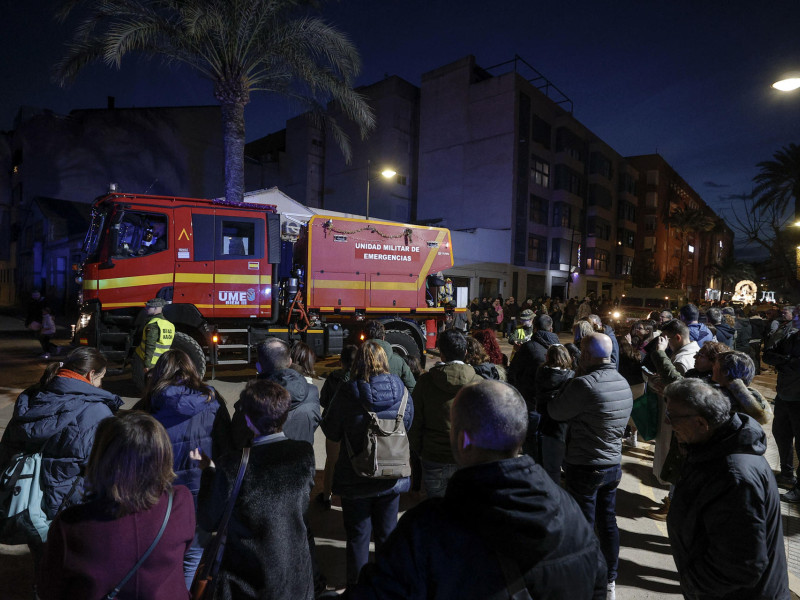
{"x":58,"y":417}
{"x":477,"y":357}
{"x":93,"y":546}
{"x":488,"y":340}
{"x":369,"y":506}
{"x":195,"y":416}
{"x":550,"y":378}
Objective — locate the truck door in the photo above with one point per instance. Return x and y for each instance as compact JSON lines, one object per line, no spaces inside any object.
{"x":194,"y":259}
{"x":239,"y":257}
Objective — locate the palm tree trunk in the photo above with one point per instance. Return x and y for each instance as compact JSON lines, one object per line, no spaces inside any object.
{"x":233,"y":139}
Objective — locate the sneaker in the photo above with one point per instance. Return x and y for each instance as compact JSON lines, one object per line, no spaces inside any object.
{"x":786,"y":481}
{"x":792,"y":496}
{"x":631,"y":441}
{"x":611,"y":591}
{"x":661,"y":513}
{"x":324,"y":500}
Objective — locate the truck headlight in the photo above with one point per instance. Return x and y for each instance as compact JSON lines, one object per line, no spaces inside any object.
{"x":616,"y":314}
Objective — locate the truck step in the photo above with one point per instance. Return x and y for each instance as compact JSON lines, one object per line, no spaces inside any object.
{"x":232,"y":330}
{"x":232,"y":346}
{"x":233,"y":362}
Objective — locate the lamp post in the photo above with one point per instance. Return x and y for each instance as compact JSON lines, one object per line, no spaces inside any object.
{"x":386,"y":173}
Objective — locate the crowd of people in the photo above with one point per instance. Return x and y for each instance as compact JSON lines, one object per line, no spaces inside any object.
{"x":519,"y":458}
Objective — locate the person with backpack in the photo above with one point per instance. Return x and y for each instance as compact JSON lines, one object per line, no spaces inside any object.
{"x":57,"y":418}
{"x":369,"y":504}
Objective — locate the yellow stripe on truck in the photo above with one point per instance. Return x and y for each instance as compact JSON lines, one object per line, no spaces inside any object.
{"x":122,"y":282}
{"x":429,"y":260}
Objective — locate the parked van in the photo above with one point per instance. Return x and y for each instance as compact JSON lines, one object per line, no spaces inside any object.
{"x":638,"y":303}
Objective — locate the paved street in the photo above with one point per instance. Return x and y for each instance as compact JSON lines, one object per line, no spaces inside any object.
{"x":646,"y":571}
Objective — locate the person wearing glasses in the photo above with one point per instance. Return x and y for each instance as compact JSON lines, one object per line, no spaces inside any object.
{"x":725,"y":522}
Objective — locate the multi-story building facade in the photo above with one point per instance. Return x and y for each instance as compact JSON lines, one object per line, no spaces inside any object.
{"x":497,"y":153}
{"x":675,"y":254}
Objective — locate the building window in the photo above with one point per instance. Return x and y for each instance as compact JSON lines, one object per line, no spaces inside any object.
{"x":652,"y":177}
{"x":691,"y":249}
{"x":540,"y":171}
{"x":401,"y":180}
{"x":625,"y":237}
{"x":597,"y":260}
{"x":651,"y":200}
{"x":538,"y":210}
{"x":569,"y":143}
{"x":600,"y":165}
{"x":650,"y":222}
{"x":599,"y":196}
{"x":626,"y":211}
{"x":537,"y":248}
{"x":540,"y":131}
{"x":624,"y":265}
{"x":562,"y":214}
{"x":599,"y":228}
{"x":567,"y":179}
{"x":627,"y":184}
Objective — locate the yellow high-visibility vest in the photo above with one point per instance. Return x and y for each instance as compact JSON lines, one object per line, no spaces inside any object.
{"x":166,"y":333}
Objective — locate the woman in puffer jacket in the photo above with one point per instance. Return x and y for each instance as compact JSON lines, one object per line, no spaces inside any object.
{"x":58,"y":417}
{"x":368,"y":505}
{"x":195,"y":416}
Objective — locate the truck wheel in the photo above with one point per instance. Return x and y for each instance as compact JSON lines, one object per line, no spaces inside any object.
{"x":402,"y":343}
{"x":189,"y":345}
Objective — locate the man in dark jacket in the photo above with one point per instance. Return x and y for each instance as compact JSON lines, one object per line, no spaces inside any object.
{"x":532,"y":354}
{"x":397,"y":366}
{"x":782,"y":351}
{"x":597,"y":406}
{"x":725,"y":522}
{"x":697,"y":331}
{"x":501,"y":510}
{"x":430,"y":435}
{"x":274,"y":364}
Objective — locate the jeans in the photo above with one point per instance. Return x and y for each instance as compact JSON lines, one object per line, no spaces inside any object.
{"x":436,"y":475}
{"x":364,"y":517}
{"x":595,"y":491}
{"x":785,"y":430}
{"x":511,"y":326}
{"x":553,"y":450}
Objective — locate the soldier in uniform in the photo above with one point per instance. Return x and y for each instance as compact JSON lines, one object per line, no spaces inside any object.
{"x":157,"y":335}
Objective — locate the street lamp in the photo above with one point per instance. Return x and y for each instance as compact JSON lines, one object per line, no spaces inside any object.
{"x":387,"y":173}
{"x":787,"y":85}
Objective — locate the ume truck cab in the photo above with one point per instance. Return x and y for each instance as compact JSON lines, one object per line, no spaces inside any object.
{"x":231,"y":280}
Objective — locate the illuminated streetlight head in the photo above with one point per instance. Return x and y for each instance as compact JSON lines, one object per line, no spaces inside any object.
{"x":388,"y":173}
{"x":787,"y":85}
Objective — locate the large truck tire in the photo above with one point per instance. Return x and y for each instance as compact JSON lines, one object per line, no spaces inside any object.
{"x":402,"y":343}
{"x":189,"y":345}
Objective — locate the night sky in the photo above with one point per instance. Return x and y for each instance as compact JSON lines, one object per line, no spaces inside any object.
{"x":687,"y":79}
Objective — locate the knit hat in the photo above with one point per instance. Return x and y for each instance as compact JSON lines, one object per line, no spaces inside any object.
{"x":156,"y":303}
{"x":526,"y":315}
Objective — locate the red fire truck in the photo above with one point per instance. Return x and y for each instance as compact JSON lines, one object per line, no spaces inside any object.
{"x":231,"y":280}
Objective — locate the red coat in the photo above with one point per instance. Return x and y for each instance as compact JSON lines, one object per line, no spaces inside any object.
{"x":87,"y":553}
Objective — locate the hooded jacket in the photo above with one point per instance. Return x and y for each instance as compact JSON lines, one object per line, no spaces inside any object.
{"x":597,"y":407}
{"x":724,"y":521}
{"x":531,"y":355}
{"x":304,"y":411}
{"x":435,"y":391}
{"x":189,"y":418}
{"x":65,"y":415}
{"x":347,"y":418}
{"x":509,"y":506}
{"x":549,"y":381}
{"x":725,"y":335}
{"x":698,"y":332}
{"x":397,"y":366}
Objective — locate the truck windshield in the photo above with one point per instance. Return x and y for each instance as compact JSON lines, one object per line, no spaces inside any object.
{"x":91,"y":245}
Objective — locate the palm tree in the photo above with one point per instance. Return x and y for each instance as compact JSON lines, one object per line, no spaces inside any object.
{"x":241,"y":46}
{"x":778,"y":183}
{"x":687,"y":220}
{"x":730,"y":270}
